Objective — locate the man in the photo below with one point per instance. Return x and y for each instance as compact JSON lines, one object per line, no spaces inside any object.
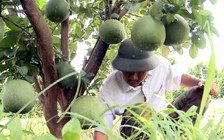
{"x":140,"y":77}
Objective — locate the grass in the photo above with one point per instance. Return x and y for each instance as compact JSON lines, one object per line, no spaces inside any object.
{"x":36,"y":125}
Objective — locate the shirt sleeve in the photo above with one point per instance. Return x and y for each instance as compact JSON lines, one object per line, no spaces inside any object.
{"x":173,"y":77}
{"x":108,"y":116}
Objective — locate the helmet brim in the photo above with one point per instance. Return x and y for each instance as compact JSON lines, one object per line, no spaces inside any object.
{"x":135,"y":65}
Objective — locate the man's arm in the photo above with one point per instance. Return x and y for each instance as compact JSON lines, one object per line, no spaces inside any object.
{"x":188,"y":80}
{"x":100,"y":136}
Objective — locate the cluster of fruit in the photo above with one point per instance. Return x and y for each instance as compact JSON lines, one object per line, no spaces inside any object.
{"x":147,"y":33}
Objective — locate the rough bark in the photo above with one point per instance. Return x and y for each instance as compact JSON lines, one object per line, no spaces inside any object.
{"x":64,"y":39}
{"x":46,"y":54}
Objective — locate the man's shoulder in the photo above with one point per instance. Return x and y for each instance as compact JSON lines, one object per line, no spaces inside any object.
{"x":113,"y":77}
{"x":164,"y":64}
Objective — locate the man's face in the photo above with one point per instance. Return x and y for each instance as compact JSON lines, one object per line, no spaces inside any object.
{"x":134,"y":79}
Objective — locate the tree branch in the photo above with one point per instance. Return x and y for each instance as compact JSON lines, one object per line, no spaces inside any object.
{"x":64,"y":39}
{"x":46,"y":53}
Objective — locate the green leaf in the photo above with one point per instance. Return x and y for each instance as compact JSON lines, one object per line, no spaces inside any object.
{"x":11,"y":24}
{"x":165,"y":51}
{"x":2,"y":137}
{"x":41,"y":3}
{"x":22,"y":70}
{"x":8,"y":41}
{"x":114,"y":16}
{"x":10,"y":52}
{"x":32,"y":69}
{"x":199,"y":40}
{"x":71,"y":130}
{"x":56,"y":41}
{"x":215,"y":31}
{"x":14,"y":3}
{"x":45,"y":137}
{"x":8,"y":63}
{"x":156,"y":10}
{"x":169,"y":8}
{"x":15,"y":128}
{"x":132,"y":7}
{"x":193,"y":51}
{"x":4,"y":75}
{"x":213,"y":1}
{"x":86,"y":138}
{"x":198,"y":17}
{"x":205,"y":12}
{"x":170,"y":18}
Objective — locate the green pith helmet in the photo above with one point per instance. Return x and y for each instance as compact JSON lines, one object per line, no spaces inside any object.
{"x":131,"y":59}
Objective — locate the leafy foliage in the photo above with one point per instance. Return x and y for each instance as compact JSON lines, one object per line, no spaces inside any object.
{"x":220,"y":83}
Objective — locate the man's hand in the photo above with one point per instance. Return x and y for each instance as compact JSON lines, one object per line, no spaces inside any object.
{"x":100,"y":136}
{"x":213,"y":90}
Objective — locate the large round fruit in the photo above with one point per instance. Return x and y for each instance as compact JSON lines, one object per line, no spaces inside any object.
{"x":57,"y":10}
{"x":89,"y":107}
{"x":16,"y":94}
{"x":2,"y":29}
{"x":177,"y":31}
{"x":131,"y":118}
{"x":64,"y":68}
{"x":112,"y":31}
{"x":148,"y":33}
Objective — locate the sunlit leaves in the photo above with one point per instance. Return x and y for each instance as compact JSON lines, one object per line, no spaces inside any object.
{"x":132,"y":7}
{"x":71,"y":130}
{"x":193,"y":51}
{"x":15,"y":128}
{"x":8,"y":41}
{"x":165,"y":51}
{"x":45,"y":137}
{"x":41,"y":3}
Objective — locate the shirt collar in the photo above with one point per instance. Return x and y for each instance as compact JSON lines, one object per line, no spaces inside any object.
{"x":126,"y":87}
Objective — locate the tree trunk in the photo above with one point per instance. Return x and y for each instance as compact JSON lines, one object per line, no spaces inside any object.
{"x":46,"y":54}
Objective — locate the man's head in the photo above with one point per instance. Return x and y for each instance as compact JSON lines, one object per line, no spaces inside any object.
{"x":134,"y":79}
{"x":132,"y":59}
{"x":134,"y":63}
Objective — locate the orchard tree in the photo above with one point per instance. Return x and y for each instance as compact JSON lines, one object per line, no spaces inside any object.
{"x":35,"y":39}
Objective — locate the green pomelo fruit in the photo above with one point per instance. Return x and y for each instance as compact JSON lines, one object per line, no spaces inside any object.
{"x":112,"y":31}
{"x":89,"y":107}
{"x":134,"y":116}
{"x":64,"y":68}
{"x":57,"y":10}
{"x":177,"y":31}
{"x":2,"y":29}
{"x":148,"y":33}
{"x":16,"y":94}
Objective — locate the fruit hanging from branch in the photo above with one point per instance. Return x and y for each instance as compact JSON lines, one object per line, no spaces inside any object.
{"x":148,"y":33}
{"x":16,"y":94}
{"x":65,"y":68}
{"x":112,"y":31}
{"x":177,"y":30}
{"x":88,"y":107}
{"x":57,"y":10}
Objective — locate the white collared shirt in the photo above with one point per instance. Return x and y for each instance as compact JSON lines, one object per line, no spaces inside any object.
{"x":116,"y":91}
